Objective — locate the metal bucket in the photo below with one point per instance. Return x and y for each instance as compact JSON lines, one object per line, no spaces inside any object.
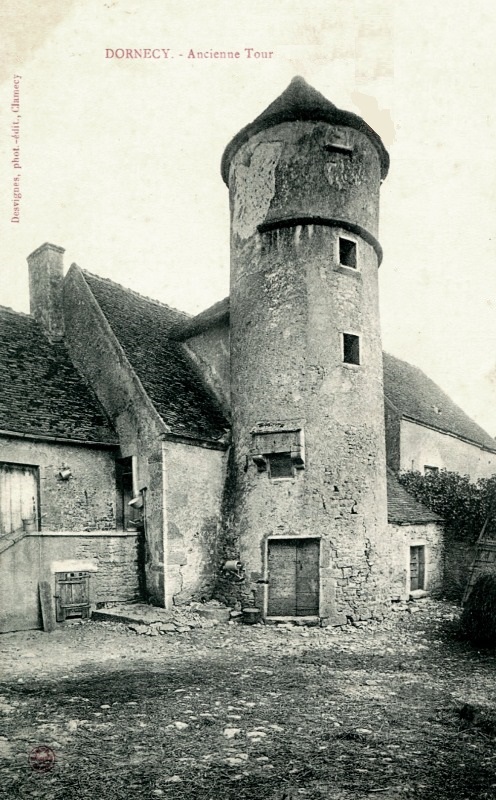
{"x":251,"y":616}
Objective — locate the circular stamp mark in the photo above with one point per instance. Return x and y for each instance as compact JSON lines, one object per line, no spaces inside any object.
{"x":41,"y":758}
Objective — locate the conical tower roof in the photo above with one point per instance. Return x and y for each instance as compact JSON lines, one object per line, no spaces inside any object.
{"x":301,"y":102}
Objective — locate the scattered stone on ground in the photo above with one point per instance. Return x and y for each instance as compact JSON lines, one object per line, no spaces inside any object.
{"x":392,"y":709}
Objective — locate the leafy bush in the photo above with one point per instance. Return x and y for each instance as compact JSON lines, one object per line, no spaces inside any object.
{"x":463,"y":505}
{"x":478,"y":619}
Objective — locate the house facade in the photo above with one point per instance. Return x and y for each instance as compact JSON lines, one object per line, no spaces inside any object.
{"x":59,"y":501}
{"x":426,"y":431}
{"x":250,"y":452}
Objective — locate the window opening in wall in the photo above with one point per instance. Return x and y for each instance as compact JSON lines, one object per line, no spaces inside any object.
{"x":280,"y":466}
{"x":130,"y":516}
{"x":347,"y":253}
{"x":417,"y":567}
{"x":351,"y":348}
{"x":430,"y":470}
{"x":342,"y":149}
{"x":19,"y":498}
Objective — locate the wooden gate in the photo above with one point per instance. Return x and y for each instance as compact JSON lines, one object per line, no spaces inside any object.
{"x":293,"y":578}
{"x":72,"y":593}
{"x":417,"y":568}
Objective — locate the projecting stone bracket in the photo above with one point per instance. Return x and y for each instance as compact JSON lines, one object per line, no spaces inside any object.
{"x":296,"y":456}
{"x":285,"y":437}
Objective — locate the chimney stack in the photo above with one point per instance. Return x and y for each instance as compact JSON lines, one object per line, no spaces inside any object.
{"x":46,"y":266}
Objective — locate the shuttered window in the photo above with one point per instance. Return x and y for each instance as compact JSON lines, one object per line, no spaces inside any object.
{"x":18,"y":498}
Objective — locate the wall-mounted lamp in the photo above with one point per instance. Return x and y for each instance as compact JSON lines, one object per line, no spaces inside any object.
{"x":64,"y":474}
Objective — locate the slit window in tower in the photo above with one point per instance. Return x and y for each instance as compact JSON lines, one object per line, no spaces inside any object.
{"x":347,"y":253}
{"x":351,"y":348}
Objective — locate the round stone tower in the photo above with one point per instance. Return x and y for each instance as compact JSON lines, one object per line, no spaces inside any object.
{"x":309,"y":507}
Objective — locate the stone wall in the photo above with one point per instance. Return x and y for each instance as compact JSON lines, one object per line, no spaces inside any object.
{"x":209,"y":350}
{"x":109,"y":556}
{"x":393,"y":436}
{"x":291,"y":301}
{"x":402,"y":538}
{"x":194,"y":484}
{"x":87,"y":500}
{"x":421,"y":446}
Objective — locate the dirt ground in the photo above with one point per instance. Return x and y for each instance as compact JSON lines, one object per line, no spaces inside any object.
{"x":401,"y":709}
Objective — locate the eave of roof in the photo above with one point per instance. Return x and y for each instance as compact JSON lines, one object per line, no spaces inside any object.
{"x":403,"y":509}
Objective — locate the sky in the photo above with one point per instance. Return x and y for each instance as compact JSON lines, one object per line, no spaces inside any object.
{"x":119,"y":158}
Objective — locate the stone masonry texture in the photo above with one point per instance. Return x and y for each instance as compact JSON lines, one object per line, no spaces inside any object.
{"x":291,"y":301}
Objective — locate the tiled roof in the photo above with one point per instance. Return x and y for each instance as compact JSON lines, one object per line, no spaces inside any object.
{"x":403,"y":508}
{"x":414,"y":395}
{"x":300,"y":101}
{"x":193,"y":326}
{"x":41,"y":392}
{"x":142,"y":327}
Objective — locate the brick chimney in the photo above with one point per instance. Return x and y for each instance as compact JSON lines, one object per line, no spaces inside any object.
{"x":45,"y":289}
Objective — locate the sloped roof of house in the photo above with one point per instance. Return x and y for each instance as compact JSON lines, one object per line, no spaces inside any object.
{"x":142,"y":327}
{"x":41,"y":392}
{"x":403,"y":509}
{"x":416,"y":396}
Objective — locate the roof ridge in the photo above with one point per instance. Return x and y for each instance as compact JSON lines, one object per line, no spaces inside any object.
{"x":17,"y":313}
{"x":133,"y":292}
{"x":483,"y":439}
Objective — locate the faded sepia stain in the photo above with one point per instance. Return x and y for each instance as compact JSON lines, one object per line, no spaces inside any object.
{"x":491,"y":376}
{"x":378,"y":118}
{"x":25,"y":26}
{"x":374,"y":39}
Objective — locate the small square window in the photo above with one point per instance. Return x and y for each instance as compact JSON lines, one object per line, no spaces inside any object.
{"x":428,"y":470}
{"x":280,"y":466}
{"x":347,"y":253}
{"x":351,"y":348}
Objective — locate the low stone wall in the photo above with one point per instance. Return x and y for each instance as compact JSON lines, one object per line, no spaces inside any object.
{"x":457,"y":566}
{"x":110,"y":557}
